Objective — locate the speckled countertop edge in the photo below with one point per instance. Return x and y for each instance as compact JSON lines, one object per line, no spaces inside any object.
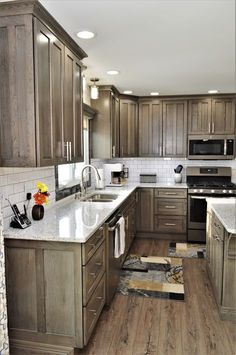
{"x":225,"y":210}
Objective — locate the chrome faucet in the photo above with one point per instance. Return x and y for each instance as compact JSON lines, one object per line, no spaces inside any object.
{"x":97,"y":177}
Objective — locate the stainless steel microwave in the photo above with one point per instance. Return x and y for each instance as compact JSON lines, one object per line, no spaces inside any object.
{"x":211,"y":147}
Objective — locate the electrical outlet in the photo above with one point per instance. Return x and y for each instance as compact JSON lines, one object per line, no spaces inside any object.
{"x":28,"y":196}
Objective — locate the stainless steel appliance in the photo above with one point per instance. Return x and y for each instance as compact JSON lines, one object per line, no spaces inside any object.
{"x":211,"y":147}
{"x":205,"y":182}
{"x":113,"y":264}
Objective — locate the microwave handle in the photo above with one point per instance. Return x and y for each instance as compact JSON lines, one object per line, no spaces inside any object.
{"x":225,"y":146}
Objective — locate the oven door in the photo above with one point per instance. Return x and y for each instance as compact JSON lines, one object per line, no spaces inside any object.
{"x":197,"y":212}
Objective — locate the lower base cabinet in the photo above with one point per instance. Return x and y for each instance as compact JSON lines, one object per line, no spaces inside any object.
{"x":162,"y":213}
{"x":45,"y":284}
{"x":221,"y":266}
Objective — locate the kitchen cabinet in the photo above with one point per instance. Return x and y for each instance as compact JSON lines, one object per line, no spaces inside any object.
{"x":128,"y":128}
{"x":150,"y":128}
{"x":221,"y":265}
{"x":34,"y":122}
{"x":105,"y":128}
{"x":45,"y":305}
{"x":211,"y":116}
{"x":145,"y":210}
{"x":223,"y":116}
{"x":175,"y":128}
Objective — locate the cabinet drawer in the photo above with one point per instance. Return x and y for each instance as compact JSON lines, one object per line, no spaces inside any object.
{"x":93,"y":309}
{"x":165,"y":206}
{"x":92,"y":244}
{"x":92,"y":273}
{"x":168,"y":193}
{"x":170,"y":224}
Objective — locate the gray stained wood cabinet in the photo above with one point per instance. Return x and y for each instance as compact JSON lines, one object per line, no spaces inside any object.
{"x":105,"y":128}
{"x":175,"y":128}
{"x":128,"y":128}
{"x":145,"y":210}
{"x":221,"y":265}
{"x":40,"y":95}
{"x":212,"y":116}
{"x":150,"y":128}
{"x":44,"y":304}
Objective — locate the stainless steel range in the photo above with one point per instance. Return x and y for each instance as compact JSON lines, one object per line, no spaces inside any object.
{"x":205,"y":182}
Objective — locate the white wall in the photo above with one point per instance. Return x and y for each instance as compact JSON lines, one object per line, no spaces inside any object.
{"x":16,"y":182}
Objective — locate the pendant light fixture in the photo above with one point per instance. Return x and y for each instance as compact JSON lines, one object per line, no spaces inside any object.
{"x":94,"y":89}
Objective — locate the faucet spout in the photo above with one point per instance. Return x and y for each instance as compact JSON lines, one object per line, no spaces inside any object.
{"x":97,"y":176}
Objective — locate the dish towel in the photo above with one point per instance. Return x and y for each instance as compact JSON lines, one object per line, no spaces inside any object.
{"x":120,"y":238}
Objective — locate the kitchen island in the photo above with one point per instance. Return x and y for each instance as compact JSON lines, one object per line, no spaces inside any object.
{"x":221,"y":253}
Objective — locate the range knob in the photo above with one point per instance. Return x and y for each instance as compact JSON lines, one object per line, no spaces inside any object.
{"x":230,"y":191}
{"x":224,"y":191}
{"x":201,"y":190}
{"x":213,"y":191}
{"x":195,"y":190}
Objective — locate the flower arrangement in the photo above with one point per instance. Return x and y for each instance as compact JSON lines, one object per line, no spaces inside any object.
{"x":41,"y":196}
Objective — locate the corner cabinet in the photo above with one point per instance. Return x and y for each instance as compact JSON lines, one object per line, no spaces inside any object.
{"x":40,"y":96}
{"x":105,"y":128}
{"x":128,"y":128}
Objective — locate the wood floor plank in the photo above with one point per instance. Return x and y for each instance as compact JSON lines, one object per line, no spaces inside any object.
{"x":144,"y":326}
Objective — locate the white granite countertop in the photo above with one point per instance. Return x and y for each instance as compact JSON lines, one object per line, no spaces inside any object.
{"x":71,"y":220}
{"x":225,"y":210}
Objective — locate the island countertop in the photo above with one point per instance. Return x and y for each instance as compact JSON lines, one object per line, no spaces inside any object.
{"x":225,"y":210}
{"x":71,"y":220}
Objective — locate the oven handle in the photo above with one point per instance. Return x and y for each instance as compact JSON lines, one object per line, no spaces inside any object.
{"x":225,"y":146}
{"x":198,"y":197}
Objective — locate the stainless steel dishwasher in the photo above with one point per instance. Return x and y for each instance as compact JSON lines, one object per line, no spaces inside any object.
{"x":113,"y":265}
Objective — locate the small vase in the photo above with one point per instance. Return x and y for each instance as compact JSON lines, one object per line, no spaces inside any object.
{"x":37,"y":212}
{"x":178,"y":178}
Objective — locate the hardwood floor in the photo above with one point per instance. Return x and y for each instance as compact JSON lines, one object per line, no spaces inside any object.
{"x":139,"y":326}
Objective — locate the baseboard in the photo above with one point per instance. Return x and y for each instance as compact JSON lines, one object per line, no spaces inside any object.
{"x":20,"y":347}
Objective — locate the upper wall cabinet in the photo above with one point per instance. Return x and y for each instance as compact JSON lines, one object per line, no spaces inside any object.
{"x":36,"y":126}
{"x":211,"y":116}
{"x":175,"y":128}
{"x":150,"y":128}
{"x":105,"y":128}
{"x":128,"y":128}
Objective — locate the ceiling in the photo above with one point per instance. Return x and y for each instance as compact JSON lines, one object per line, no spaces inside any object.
{"x":170,"y":46}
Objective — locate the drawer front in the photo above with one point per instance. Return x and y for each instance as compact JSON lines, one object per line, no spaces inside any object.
{"x":175,"y":207}
{"x":93,"y":309}
{"x":169,"y":193}
{"x":92,"y":244}
{"x":92,"y":273}
{"x":170,"y":224}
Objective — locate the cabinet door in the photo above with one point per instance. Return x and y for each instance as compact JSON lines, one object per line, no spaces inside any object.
{"x":150,"y":128}
{"x":72,"y":108}
{"x":216,"y":265}
{"x":145,"y":210}
{"x":115,"y":124}
{"x":223,"y":116}
{"x":199,"y":116}
{"x":17,"y":108}
{"x":49,"y":66}
{"x":175,"y":128}
{"x":229,"y":287}
{"x":128,"y":128}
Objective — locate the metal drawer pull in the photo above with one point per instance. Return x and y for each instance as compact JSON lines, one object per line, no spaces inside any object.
{"x":170,"y":224}
{"x":217,"y":238}
{"x":99,"y":297}
{"x":92,"y":245}
{"x":170,"y":193}
{"x":92,"y":274}
{"x":170,"y":207}
{"x":98,"y":264}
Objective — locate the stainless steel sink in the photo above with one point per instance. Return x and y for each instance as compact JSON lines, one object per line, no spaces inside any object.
{"x":101,"y":198}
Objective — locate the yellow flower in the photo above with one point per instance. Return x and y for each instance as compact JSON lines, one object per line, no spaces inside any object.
{"x":42,"y":187}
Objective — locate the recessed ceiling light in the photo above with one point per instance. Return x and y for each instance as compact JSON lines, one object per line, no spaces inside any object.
{"x":213,"y":91}
{"x":85,"y":34}
{"x":154,"y":93}
{"x":112,"y":72}
{"x":128,"y":92}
